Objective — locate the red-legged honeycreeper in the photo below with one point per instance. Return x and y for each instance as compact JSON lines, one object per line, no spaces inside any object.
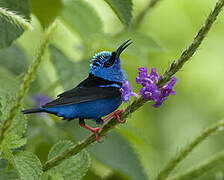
{"x":98,"y":95}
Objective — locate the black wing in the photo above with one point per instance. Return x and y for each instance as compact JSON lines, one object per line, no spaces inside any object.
{"x":85,"y":91}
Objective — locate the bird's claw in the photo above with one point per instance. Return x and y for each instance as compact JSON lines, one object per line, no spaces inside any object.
{"x":116,"y":114}
{"x":95,"y":131}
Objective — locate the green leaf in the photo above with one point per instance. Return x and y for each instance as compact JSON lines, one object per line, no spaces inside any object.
{"x":123,"y":9}
{"x":53,"y":176}
{"x":6,"y":101}
{"x":8,"y":175}
{"x":46,"y":10}
{"x":82,"y":18}
{"x":14,"y":135}
{"x":8,"y":88}
{"x":59,"y":148}
{"x":7,"y":154}
{"x":74,"y":167}
{"x":14,"y":59}
{"x":3,"y":164}
{"x":117,"y":153}
{"x":28,"y":165}
{"x":5,"y":172}
{"x":9,"y":31}
{"x":69,"y":73}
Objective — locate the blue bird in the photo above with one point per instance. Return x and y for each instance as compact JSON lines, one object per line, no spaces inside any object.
{"x":97,"y":96}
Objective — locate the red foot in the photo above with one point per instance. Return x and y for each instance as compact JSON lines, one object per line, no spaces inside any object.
{"x":116,"y":114}
{"x":94,"y":130}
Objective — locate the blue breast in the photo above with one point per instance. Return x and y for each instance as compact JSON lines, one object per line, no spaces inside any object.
{"x":87,"y":110}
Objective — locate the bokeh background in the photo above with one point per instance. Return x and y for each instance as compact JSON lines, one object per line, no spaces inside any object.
{"x":140,"y":148}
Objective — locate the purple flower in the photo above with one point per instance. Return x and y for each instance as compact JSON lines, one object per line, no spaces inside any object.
{"x":166,"y":90}
{"x":153,"y":75}
{"x":41,"y":99}
{"x":126,"y":91}
{"x":150,"y":90}
{"x":144,"y":78}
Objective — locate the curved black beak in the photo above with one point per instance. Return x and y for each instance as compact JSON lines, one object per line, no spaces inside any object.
{"x":122,"y":48}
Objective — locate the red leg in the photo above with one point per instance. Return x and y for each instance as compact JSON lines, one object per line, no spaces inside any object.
{"x":94,"y":130}
{"x":116,"y":114}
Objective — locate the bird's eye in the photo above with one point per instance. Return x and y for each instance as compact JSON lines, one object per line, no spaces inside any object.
{"x":108,"y":64}
{"x":111,"y":61}
{"x":95,"y":64}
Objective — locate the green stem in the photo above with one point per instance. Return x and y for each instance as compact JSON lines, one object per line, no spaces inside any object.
{"x":183,"y":153}
{"x":202,"y":168}
{"x":188,"y":53}
{"x":26,"y":82}
{"x":139,"y":18}
{"x":15,"y":19}
{"x":174,"y":67}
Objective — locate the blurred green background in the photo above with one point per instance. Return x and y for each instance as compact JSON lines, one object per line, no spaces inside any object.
{"x":151,"y":136}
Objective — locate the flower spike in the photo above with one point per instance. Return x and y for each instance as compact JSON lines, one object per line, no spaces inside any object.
{"x":150,"y":90}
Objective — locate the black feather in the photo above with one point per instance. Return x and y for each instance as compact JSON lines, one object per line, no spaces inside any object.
{"x":93,"y":81}
{"x":82,"y":94}
{"x":33,"y":110}
{"x":87,"y":90}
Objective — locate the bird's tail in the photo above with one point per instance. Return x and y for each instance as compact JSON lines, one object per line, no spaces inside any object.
{"x":33,"y":110}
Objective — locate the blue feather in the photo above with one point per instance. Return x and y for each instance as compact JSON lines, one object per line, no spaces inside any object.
{"x":111,"y":85}
{"x":87,"y":110}
{"x":112,"y":73}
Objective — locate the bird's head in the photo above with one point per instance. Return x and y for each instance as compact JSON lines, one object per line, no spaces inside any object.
{"x":107,"y":65}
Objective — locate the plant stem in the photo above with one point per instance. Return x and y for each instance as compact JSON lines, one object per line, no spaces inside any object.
{"x":139,"y":17}
{"x":143,"y":12}
{"x":201,"y":168}
{"x":15,"y":19}
{"x":26,"y":81}
{"x":185,"y":151}
{"x":188,"y":53}
{"x":174,"y":67}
